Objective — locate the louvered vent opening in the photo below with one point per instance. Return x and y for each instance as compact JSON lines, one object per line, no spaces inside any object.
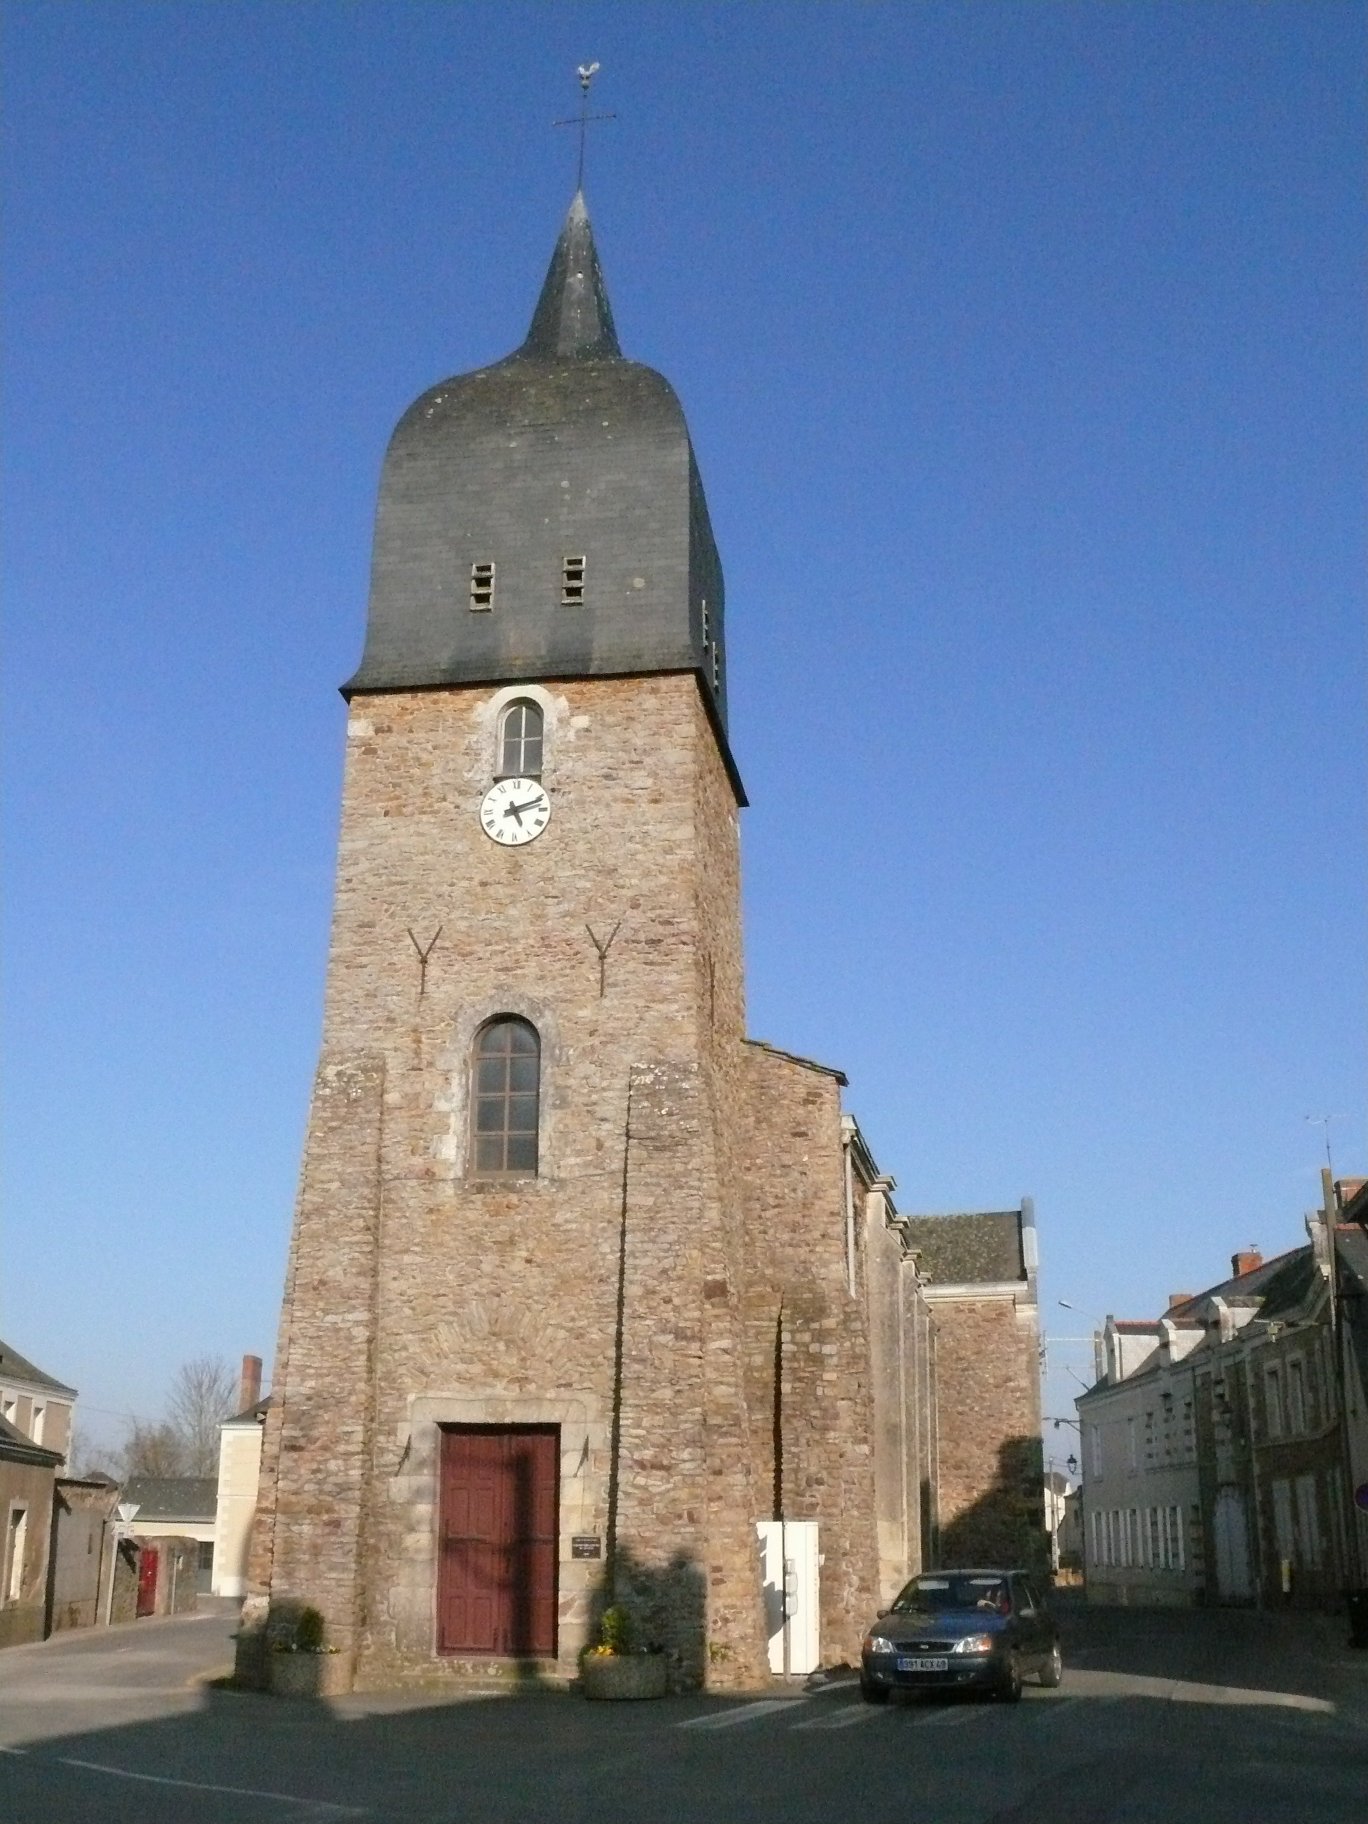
{"x":481,"y":587}
{"x":572,"y":582}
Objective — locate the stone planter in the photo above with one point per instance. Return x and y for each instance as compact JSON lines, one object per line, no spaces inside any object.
{"x":618,"y":1678}
{"x":310,"y":1674}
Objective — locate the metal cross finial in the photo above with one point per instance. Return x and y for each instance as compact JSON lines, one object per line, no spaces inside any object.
{"x":586,"y":73}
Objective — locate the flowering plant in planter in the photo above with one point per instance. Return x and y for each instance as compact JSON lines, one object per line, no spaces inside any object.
{"x":301,"y":1661}
{"x":298,"y":1630}
{"x":616,"y":1667}
{"x":615,"y":1635}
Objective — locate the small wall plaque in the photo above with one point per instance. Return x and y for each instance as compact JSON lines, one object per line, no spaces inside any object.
{"x":586,"y":1545}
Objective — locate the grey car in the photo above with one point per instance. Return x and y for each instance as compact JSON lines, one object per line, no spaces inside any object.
{"x":976,"y":1629}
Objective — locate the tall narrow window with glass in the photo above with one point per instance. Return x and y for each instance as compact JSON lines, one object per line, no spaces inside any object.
{"x":520,"y":741}
{"x":504,"y":1101}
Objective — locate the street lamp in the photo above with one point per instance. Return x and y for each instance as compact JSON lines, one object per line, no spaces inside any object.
{"x":1099,"y":1325}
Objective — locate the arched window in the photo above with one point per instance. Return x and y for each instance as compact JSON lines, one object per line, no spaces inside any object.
{"x":520,"y":741}
{"x":503,"y":1099}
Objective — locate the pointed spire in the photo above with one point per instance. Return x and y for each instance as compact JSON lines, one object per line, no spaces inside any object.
{"x":573,"y":318}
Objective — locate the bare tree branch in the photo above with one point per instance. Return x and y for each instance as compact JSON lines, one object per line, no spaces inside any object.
{"x":202,"y":1397}
{"x":152,"y":1450}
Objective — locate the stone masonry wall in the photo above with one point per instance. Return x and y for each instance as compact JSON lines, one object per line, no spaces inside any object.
{"x":988,"y":1428}
{"x":496,"y":1301}
{"x":892,"y":1378}
{"x":316,"y":1449}
{"x":802,"y":1317}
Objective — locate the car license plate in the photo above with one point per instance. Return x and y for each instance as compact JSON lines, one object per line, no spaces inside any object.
{"x":919,"y":1663}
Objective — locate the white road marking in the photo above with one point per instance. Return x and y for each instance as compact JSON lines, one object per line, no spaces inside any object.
{"x":1182,"y":1691}
{"x":843,"y":1718}
{"x":953,"y":1719}
{"x":747,"y":1713}
{"x":316,"y":1808}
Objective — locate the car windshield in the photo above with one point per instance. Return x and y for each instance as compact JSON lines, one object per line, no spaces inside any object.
{"x":972,"y":1591}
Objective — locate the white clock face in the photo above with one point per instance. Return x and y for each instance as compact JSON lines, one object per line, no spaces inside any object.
{"x":514,"y":811}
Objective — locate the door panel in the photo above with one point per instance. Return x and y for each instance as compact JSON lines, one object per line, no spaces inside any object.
{"x":497,"y":1540}
{"x":147,"y":1580}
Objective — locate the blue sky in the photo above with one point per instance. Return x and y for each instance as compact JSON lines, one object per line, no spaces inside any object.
{"x":1022,"y":350}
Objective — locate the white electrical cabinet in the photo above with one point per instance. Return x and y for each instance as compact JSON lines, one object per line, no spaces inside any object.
{"x":789,"y":1570}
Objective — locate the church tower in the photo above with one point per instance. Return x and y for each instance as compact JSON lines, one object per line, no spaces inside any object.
{"x":510,"y":1380}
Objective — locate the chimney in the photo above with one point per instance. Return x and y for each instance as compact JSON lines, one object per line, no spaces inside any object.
{"x":249,"y":1392}
{"x":1178,"y":1298}
{"x":1245,"y":1262}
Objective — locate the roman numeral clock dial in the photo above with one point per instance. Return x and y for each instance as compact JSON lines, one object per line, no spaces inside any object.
{"x":515,"y":811}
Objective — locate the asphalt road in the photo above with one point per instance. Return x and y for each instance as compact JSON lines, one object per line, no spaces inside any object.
{"x":1163,"y":1718}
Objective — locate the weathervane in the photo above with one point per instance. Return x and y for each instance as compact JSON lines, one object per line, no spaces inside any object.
{"x":586,"y":73}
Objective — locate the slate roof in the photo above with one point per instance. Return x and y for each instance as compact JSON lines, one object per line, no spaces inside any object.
{"x":250,"y":1412}
{"x":173,"y":1497}
{"x":1240,"y":1289}
{"x":1287,"y":1289}
{"x":16,"y":1367}
{"x":562,"y":448}
{"x":573,"y":320}
{"x":792,"y":1057}
{"x":979,"y":1247}
{"x":16,"y":1448}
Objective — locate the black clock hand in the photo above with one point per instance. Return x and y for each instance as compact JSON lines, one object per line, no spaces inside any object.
{"x":515,"y":810}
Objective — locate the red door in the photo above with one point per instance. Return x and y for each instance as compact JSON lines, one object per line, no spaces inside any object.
{"x":497,"y":1529}
{"x":147,"y":1580}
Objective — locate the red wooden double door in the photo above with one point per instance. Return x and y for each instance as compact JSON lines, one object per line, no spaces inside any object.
{"x":497,"y":1537}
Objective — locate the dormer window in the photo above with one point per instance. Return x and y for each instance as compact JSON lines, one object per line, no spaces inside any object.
{"x":481,"y":587}
{"x":572,"y":581}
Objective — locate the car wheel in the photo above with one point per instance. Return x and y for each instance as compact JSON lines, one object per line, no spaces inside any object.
{"x":872,"y":1693}
{"x":1010,"y":1688}
{"x":1052,"y":1668}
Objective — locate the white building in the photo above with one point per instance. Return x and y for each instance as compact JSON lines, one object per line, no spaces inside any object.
{"x":239,"y":1472}
{"x":1141,"y":1514}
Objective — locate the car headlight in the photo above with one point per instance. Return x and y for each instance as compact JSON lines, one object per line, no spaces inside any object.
{"x":975,"y":1643}
{"x":877,"y":1643}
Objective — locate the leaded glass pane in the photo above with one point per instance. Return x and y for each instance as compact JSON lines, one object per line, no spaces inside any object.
{"x":505,"y":1094}
{"x":521,"y":745}
{"x":489,"y":1154}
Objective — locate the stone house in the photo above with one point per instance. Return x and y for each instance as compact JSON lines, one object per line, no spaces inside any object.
{"x":1351,"y":1363}
{"x":34,"y":1403}
{"x":82,"y":1551}
{"x":28,"y":1472}
{"x":1231,"y":1410}
{"x":980,"y":1271}
{"x":35,"y":1433}
{"x":1276,"y":1402}
{"x":586,"y":1285}
{"x":1140,"y":1517}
